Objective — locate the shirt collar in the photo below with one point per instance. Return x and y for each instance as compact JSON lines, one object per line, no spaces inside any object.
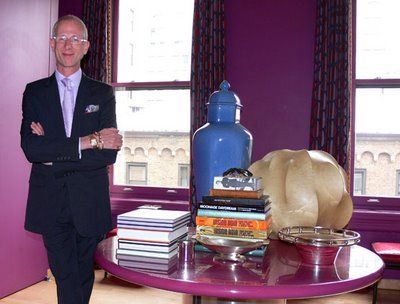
{"x":75,"y":77}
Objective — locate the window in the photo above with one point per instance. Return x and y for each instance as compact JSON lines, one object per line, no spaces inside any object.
{"x":136,"y":174}
{"x":377,"y":100}
{"x":398,"y":183}
{"x":183,"y":176}
{"x":359,"y":181}
{"x":152,"y":81}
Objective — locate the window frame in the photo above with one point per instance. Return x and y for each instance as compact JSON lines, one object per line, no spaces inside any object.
{"x":363,"y":173}
{"x":139,"y":165}
{"x":397,"y":183}
{"x":131,"y":191}
{"x":180,"y":166}
{"x":365,"y":201}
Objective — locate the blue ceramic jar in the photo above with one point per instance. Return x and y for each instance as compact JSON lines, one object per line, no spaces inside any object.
{"x":221,"y":143}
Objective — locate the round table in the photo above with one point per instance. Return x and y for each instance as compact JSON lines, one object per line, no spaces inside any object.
{"x":279,"y":274}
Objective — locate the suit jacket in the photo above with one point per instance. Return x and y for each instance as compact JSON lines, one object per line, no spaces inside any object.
{"x":80,"y":182}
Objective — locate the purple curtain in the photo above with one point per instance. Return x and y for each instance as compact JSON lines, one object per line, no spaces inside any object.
{"x":208,"y":63}
{"x":331,"y":104}
{"x":96,"y":15}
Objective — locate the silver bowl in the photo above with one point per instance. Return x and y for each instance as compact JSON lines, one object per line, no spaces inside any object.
{"x":318,"y":245}
{"x":319,"y":236}
{"x":229,"y":249}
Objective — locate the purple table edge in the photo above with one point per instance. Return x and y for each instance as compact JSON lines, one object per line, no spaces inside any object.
{"x":233,"y":291}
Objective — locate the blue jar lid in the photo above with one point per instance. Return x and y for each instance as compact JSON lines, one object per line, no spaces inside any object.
{"x":224,"y":96}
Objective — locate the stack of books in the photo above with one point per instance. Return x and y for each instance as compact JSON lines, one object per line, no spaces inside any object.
{"x":236,"y":208}
{"x":148,"y":264}
{"x":148,"y":238}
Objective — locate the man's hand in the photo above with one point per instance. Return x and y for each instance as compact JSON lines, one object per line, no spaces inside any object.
{"x":37,"y":128}
{"x":111,"y":139}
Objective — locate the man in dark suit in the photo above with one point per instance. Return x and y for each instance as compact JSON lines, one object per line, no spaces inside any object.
{"x":69,"y":135}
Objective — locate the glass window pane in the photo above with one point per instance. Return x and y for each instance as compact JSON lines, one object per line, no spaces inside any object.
{"x":137,"y":174}
{"x":153,"y":110}
{"x":155,"y":125}
{"x":359,"y":181}
{"x":154,"y":40}
{"x":183,"y":176}
{"x":377,"y":144}
{"x":377,"y":46}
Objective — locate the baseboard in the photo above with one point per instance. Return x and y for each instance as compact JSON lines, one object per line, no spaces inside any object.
{"x":389,"y":284}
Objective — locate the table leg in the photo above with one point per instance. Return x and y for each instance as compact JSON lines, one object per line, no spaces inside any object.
{"x":374,"y":293}
{"x":209,"y":300}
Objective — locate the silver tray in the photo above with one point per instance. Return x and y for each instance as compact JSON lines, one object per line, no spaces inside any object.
{"x":229,"y":249}
{"x":319,"y":236}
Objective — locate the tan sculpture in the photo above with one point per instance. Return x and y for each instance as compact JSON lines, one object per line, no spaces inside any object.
{"x":307,"y":188}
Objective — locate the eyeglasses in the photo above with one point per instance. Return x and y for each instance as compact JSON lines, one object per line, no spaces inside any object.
{"x":75,"y":40}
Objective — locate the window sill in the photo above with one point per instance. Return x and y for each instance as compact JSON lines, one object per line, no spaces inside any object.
{"x":375,"y":220}
{"x":121,"y":205}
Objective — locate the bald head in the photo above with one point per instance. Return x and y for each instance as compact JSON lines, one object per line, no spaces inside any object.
{"x":74,"y":19}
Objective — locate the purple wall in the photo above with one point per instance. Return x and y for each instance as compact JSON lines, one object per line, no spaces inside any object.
{"x":73,"y":7}
{"x":269,"y":64}
{"x":24,"y":36}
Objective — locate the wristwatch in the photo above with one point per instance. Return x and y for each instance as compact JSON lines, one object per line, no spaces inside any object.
{"x":94,"y":141}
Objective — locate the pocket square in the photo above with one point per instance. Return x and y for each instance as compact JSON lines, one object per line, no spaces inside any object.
{"x":91,"y":109}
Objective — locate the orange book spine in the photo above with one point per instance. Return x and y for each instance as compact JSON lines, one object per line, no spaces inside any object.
{"x":234,"y":223}
{"x":237,"y":193}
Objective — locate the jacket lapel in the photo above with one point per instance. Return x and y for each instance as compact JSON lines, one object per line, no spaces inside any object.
{"x":82,"y":96}
{"x":54,"y":105}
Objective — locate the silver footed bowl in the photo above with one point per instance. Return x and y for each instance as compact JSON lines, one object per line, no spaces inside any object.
{"x":229,"y":249}
{"x":318,"y":245}
{"x":319,"y":236}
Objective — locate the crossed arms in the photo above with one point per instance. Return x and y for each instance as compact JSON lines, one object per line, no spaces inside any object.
{"x":41,"y":147}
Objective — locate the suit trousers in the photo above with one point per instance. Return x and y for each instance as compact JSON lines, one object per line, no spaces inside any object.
{"x":71,"y":258}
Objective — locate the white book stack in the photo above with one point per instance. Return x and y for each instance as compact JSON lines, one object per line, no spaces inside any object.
{"x":148,"y":264}
{"x":150,"y":233}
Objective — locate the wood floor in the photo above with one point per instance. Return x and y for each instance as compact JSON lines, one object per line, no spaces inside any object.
{"x":114,"y":291}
